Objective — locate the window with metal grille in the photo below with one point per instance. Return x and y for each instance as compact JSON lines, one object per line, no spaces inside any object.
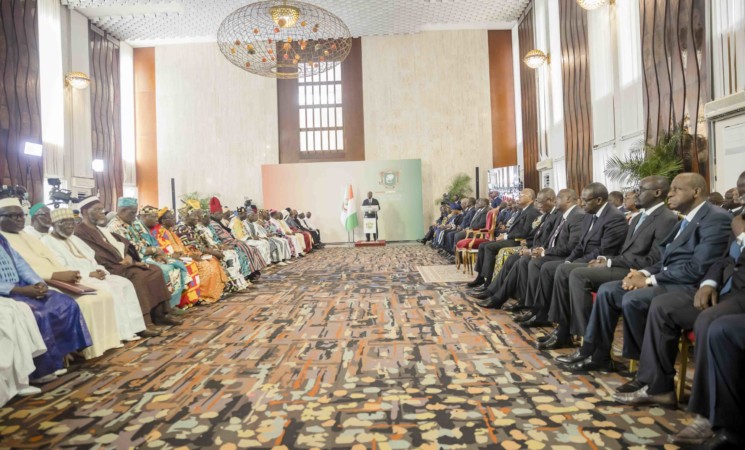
{"x":320,"y":109}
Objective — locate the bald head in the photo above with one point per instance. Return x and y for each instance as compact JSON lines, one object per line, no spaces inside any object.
{"x":546,"y":200}
{"x":566,"y":199}
{"x":688,"y":190}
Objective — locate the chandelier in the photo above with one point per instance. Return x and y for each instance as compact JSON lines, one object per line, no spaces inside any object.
{"x":593,"y":4}
{"x":535,"y":59}
{"x":284,"y":39}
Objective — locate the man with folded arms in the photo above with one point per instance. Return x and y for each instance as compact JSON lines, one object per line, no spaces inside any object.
{"x":571,"y":302}
{"x":603,"y":230}
{"x":687,"y":253}
{"x":75,"y":254}
{"x":120,"y":257}
{"x":98,"y":309}
{"x":520,"y":229}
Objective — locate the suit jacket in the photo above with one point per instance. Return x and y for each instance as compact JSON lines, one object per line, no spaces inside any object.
{"x":542,"y":235}
{"x":523,"y":224}
{"x":686,"y":260}
{"x":641,"y":249}
{"x":467,"y":217}
{"x":479,"y":219}
{"x":725,"y":268}
{"x":569,"y":235}
{"x":371,"y":202}
{"x":605,"y":238}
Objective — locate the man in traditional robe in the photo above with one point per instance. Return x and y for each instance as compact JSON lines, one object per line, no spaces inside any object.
{"x":120,"y":257}
{"x":274,"y":228}
{"x":262,"y":227}
{"x":230,"y":259}
{"x":77,"y":255}
{"x":304,"y":221}
{"x":57,"y":315}
{"x":240,"y":230}
{"x":293,"y":223}
{"x":21,"y":341}
{"x":40,"y":221}
{"x":258,"y":232}
{"x":299,"y":240}
{"x":126,"y":225}
{"x":253,"y":259}
{"x":98,"y":308}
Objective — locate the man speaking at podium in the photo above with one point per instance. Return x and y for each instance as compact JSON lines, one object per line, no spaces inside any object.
{"x":370,"y":201}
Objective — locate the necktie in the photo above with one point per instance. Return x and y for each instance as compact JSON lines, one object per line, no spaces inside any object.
{"x":642,"y":218}
{"x":594,"y":219}
{"x":552,"y":241}
{"x":734,"y":252}
{"x":683,"y":224}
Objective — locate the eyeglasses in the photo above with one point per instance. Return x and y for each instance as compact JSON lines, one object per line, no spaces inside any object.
{"x":640,"y":189}
{"x":14,"y":216}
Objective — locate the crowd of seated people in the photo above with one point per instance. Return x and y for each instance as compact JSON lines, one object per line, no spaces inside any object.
{"x":673,"y":262}
{"x":75,"y":283}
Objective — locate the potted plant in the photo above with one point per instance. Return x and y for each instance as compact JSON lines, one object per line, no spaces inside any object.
{"x":647,"y":160}
{"x":459,"y":187}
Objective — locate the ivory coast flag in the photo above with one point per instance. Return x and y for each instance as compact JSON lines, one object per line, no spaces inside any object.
{"x":348,"y":210}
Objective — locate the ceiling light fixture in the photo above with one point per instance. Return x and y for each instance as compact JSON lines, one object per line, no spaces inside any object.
{"x":77,"y":80}
{"x":594,"y":4}
{"x":284,"y":39}
{"x":535,"y":59}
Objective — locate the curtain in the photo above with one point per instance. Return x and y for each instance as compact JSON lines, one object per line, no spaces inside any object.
{"x":52,"y":87}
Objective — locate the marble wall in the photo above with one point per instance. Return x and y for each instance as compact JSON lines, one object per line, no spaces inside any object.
{"x":217,"y":124}
{"x":427,"y":96}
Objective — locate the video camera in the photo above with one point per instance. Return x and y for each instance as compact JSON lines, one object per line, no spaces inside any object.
{"x":13,"y":191}
{"x":57,"y":195}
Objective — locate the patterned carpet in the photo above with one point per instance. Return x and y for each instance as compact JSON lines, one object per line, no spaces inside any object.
{"x":347,"y":348}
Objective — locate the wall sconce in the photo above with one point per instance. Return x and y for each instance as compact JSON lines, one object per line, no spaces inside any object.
{"x":594,"y":4}
{"x":97,"y":165}
{"x":77,"y":80}
{"x":535,"y":59}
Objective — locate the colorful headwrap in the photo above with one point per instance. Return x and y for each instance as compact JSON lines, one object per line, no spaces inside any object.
{"x":61,"y":214}
{"x":35,"y":209}
{"x":162,"y":211}
{"x":10,"y":201}
{"x":215,"y":205}
{"x":88,"y":202}
{"x":125,"y":202}
{"x":147,"y":210}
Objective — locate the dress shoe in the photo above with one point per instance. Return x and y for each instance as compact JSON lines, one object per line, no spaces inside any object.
{"x":723,"y":440}
{"x":482,"y":288}
{"x":168,"y":320}
{"x":522,"y":317}
{"x":555,"y":342}
{"x":513,"y":307}
{"x":475,"y":283}
{"x":588,"y":365}
{"x":28,"y":390}
{"x":149,"y":333}
{"x":632,"y":386}
{"x":488,"y":303}
{"x":571,"y":358}
{"x":45,"y":379}
{"x":641,"y":397}
{"x":548,"y":336}
{"x":533,"y":321}
{"x":479,"y":295}
{"x":694,"y":434}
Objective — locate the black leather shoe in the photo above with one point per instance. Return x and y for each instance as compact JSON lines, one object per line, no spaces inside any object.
{"x":513,"y":307}
{"x":475,"y":283}
{"x":487,"y":303}
{"x":534,"y":322}
{"x":148,"y":333}
{"x":632,"y":386}
{"x":555,"y":342}
{"x":481,"y":288}
{"x":548,"y":336}
{"x":520,"y":318}
{"x":571,"y":358}
{"x":722,"y":440}
{"x":588,"y":365}
{"x":479,"y":295}
{"x":168,"y":320}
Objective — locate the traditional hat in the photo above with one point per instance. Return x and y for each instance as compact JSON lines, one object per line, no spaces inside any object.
{"x":147,"y":210}
{"x":125,"y":202}
{"x":162,"y":211}
{"x":10,"y":201}
{"x":215,"y":205}
{"x":88,"y":202}
{"x":35,"y":209}
{"x":193,"y":203}
{"x":61,"y":214}
{"x":240,"y":209}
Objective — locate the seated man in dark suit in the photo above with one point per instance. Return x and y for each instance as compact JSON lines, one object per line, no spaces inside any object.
{"x":520,"y":229}
{"x":687,"y":252}
{"x":723,"y":285}
{"x":571,"y":302}
{"x":453,"y":236}
{"x":504,"y":282}
{"x":444,"y":212}
{"x":603,"y":230}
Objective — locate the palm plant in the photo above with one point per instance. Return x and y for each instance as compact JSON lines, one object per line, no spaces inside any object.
{"x":646,"y":160}
{"x":460,"y":186}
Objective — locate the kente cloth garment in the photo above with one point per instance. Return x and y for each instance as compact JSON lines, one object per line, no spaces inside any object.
{"x":20,"y":341}
{"x":272,"y":226}
{"x":281,"y":245}
{"x":57,"y":315}
{"x":170,"y":244}
{"x":255,"y":260}
{"x":231,"y":262}
{"x":98,"y":309}
{"x":110,"y":251}
{"x":273,"y":249}
{"x":174,"y":271}
{"x":77,"y":255}
{"x":299,"y":240}
{"x":250,"y":239}
{"x":212,"y":276}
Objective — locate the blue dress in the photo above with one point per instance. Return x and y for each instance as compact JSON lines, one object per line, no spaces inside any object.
{"x":57,"y":315}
